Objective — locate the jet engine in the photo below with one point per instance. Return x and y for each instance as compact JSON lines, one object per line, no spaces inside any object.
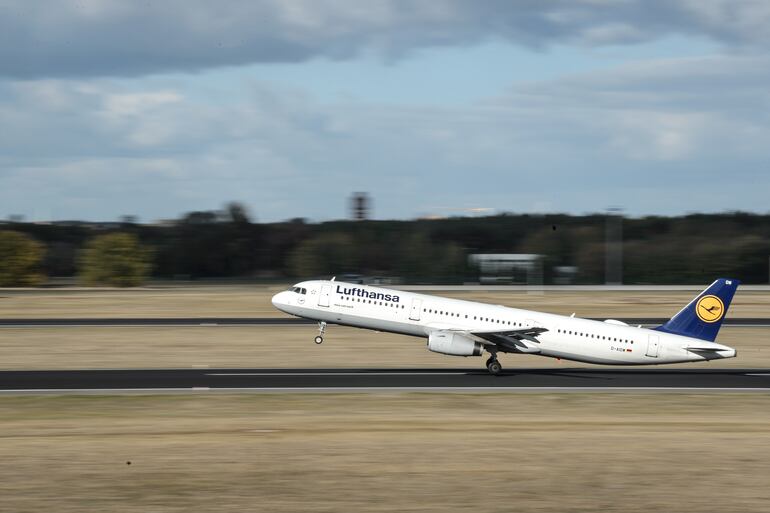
{"x":446,"y":342}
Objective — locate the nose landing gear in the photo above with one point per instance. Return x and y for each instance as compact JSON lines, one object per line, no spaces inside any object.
{"x":321,"y":329}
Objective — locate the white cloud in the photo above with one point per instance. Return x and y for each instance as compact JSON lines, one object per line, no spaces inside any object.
{"x":103,"y":148}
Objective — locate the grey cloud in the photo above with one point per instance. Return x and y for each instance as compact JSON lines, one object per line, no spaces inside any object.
{"x":66,"y":38}
{"x":100,"y":148}
{"x":678,"y":110}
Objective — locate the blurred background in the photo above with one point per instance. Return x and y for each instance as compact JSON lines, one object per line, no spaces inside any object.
{"x":228,"y":245}
{"x":555,"y":142}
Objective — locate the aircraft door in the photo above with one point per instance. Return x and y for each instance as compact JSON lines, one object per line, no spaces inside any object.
{"x":323,"y":297}
{"x":414,"y":313}
{"x":652,"y":346}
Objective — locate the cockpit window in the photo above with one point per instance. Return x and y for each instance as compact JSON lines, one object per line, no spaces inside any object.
{"x":299,"y":290}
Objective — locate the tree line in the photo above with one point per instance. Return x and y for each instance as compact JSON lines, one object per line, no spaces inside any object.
{"x":229,"y":244}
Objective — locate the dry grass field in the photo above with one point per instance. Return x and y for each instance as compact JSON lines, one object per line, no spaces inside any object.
{"x":277,"y":346}
{"x":361,"y":452}
{"x":385,"y":452}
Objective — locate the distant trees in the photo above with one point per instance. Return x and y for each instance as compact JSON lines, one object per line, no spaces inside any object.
{"x":413,"y":257}
{"x":211,"y":244}
{"x":20,"y":259}
{"x":228,"y":243}
{"x":422,"y":260}
{"x":324,"y":255}
{"x":115,"y":259}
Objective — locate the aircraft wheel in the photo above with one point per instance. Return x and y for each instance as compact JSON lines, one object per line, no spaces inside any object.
{"x":494,"y":367}
{"x":319,"y":339}
{"x":490,"y":360}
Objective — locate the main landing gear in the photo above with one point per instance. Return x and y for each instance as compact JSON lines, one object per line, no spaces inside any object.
{"x":321,"y":329}
{"x":493,"y":365}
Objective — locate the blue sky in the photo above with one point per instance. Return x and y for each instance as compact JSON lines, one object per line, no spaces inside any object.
{"x":109,"y":108}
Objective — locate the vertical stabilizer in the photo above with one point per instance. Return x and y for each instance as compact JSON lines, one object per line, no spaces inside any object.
{"x":703,"y":316}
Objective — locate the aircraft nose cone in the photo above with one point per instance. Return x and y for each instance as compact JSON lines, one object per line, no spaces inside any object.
{"x":283,"y":300}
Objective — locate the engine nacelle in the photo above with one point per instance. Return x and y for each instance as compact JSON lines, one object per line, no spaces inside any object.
{"x":446,"y":342}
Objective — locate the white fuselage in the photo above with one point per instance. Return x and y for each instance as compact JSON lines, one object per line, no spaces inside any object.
{"x":419,"y":315}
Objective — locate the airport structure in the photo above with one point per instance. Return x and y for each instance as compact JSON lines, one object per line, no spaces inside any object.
{"x":499,"y":268}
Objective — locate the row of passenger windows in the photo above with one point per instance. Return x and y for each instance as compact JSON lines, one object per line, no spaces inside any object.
{"x":475,"y":317}
{"x":512,"y":323}
{"x":592,"y":335}
{"x":371,"y":302}
{"x":478,"y":318}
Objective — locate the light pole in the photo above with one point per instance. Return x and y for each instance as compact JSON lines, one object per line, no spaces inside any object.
{"x":613,"y":258}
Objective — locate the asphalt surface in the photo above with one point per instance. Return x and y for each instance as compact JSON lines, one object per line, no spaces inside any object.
{"x":334,"y":380}
{"x":160,"y":321}
{"x":265,"y":321}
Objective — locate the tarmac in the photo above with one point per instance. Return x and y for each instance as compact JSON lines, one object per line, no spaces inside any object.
{"x":383,"y":380}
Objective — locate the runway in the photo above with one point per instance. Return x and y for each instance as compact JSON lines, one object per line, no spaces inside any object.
{"x":374,"y":380}
{"x":156,"y":321}
{"x":267,"y":321}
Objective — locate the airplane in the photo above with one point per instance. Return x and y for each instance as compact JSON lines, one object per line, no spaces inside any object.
{"x":468,"y":328}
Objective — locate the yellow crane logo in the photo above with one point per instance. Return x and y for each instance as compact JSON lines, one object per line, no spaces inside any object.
{"x":709,"y":309}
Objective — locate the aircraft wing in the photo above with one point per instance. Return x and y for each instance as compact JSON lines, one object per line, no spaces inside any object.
{"x":513,"y":341}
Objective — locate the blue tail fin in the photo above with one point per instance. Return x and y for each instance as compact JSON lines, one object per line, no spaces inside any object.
{"x":703,"y":316}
